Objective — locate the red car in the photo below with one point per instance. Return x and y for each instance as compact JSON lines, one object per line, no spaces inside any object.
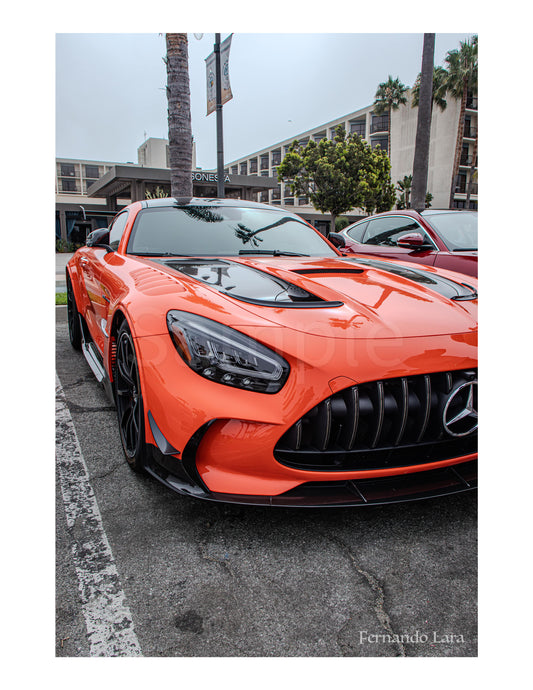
{"x":445,"y":239}
{"x":250,"y":362}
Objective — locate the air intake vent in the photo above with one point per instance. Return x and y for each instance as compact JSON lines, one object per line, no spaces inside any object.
{"x":390,"y":423}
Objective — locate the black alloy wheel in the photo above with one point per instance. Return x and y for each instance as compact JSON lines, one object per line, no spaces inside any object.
{"x":129,"y":401}
{"x":74,"y":328}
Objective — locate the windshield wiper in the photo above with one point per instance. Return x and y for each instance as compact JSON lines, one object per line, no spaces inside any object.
{"x":270,"y":252}
{"x":160,"y":254}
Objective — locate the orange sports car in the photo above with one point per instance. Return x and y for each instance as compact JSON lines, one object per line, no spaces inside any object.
{"x":251,"y":362}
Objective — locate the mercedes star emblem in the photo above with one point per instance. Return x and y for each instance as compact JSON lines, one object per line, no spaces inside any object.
{"x":460,"y":413}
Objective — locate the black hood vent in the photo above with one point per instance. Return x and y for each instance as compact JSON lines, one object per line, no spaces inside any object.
{"x":248,"y":284}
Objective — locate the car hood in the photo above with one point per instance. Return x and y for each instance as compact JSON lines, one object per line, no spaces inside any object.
{"x":338,"y":297}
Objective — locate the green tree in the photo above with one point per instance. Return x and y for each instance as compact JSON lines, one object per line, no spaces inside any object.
{"x":404,"y":186}
{"x":179,"y":115}
{"x":440,"y":76}
{"x":337,"y":175}
{"x":380,"y":195}
{"x":156,"y":193}
{"x":461,"y":82}
{"x":390,"y":95}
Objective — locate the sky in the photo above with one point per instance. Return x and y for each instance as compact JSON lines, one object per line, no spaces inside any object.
{"x":110,"y":87}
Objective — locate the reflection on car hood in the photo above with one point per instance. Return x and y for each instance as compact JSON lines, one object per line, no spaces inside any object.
{"x":330,"y":296}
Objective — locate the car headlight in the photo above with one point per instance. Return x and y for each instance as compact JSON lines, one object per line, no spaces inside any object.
{"x":224,"y":355}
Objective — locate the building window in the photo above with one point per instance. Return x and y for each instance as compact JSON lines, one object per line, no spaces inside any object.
{"x":471,"y":101}
{"x":276,"y":193}
{"x":380,"y":123}
{"x":264,"y":162}
{"x":253,"y":165}
{"x":289,"y":201}
{"x":318,"y":137}
{"x":358,"y":127}
{"x":92,"y":171}
{"x":68,"y":170}
{"x":69,"y":186}
{"x":244,"y":169}
{"x":263,"y":197}
{"x":460,"y":183}
{"x":276,"y":157}
{"x":234,"y":169}
{"x":333,"y":130}
{"x":303,"y":201}
{"x":383,"y":142}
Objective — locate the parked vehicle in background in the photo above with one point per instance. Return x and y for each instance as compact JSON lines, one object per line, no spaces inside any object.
{"x":444,"y":239}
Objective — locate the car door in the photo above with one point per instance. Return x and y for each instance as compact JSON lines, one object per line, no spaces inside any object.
{"x":98,"y":274}
{"x":380,"y":238}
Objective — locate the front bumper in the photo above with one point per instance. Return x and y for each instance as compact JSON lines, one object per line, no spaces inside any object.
{"x":426,"y":484}
{"x":233,"y":458}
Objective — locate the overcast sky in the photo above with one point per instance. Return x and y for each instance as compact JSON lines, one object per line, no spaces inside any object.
{"x":110,"y":88}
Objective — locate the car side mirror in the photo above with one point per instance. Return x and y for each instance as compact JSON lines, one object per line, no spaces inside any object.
{"x":414,"y":240}
{"x":336,"y":239}
{"x":99,"y":238}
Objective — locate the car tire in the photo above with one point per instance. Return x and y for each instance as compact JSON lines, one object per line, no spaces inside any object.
{"x":74,"y":327}
{"x":128,"y":399}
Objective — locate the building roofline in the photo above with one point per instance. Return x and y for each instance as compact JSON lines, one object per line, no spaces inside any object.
{"x":289,"y":140}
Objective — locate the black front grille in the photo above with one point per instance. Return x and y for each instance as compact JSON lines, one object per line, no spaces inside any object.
{"x":381,"y":424}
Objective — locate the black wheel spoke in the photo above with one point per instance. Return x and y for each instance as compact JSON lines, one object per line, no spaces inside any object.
{"x":128,"y":397}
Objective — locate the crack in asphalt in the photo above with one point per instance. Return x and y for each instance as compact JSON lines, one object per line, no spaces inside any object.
{"x":377,"y":589}
{"x":81,"y":408}
{"x":103,"y":475}
{"x":78,"y":382}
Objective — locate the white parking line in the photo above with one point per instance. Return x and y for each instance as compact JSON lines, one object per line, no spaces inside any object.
{"x":107,"y":616}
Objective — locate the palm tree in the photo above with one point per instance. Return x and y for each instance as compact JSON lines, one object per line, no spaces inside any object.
{"x":389,"y":96}
{"x":473,"y":174}
{"x":462,"y":81}
{"x":404,"y":186}
{"x":179,"y":115}
{"x":440,"y":76}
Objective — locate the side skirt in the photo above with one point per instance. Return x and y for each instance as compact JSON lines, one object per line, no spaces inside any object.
{"x":94,"y":360}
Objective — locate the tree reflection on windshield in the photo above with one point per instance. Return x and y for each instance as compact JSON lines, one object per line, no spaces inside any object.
{"x":246,"y":235}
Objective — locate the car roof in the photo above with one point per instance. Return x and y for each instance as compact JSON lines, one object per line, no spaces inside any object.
{"x":414,"y":214}
{"x":440,"y":211}
{"x":203,"y":201}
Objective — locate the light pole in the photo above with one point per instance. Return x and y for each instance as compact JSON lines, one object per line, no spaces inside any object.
{"x":220,"y":135}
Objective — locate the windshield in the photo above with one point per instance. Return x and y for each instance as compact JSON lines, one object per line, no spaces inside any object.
{"x":458,"y":230}
{"x":223,"y":231}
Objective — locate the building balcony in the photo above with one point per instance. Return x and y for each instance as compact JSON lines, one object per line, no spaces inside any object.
{"x":470,"y":133}
{"x":463,"y":188}
{"x":466,"y":161}
{"x":471,"y":103}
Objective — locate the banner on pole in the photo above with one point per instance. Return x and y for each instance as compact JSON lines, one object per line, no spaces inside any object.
{"x":210,"y":65}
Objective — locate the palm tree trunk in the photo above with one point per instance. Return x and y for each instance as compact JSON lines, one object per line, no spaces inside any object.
{"x":472,"y":171}
{"x":423,"y":127}
{"x":179,"y":116}
{"x":333,"y":219}
{"x":459,"y":141}
{"x":389,"y":131}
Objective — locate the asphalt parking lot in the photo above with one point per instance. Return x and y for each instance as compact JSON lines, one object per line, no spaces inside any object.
{"x":144,"y":571}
